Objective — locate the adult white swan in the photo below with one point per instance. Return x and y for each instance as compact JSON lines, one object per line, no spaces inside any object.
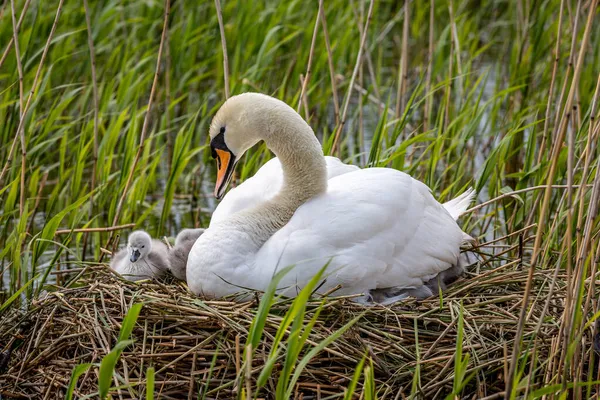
{"x":378,"y":228}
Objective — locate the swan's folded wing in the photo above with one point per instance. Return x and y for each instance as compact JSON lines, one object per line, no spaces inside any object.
{"x":264,"y":185}
{"x":377,"y":228}
{"x":117,"y":259}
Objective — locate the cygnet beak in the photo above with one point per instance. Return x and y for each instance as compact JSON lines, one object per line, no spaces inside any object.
{"x":135,"y":255}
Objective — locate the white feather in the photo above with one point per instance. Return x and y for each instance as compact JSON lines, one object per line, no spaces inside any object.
{"x":375,"y":229}
{"x":458,"y":205}
{"x":264,"y":185}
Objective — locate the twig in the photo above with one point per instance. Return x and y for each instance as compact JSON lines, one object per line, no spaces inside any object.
{"x":11,"y":41}
{"x":336,"y":103}
{"x":429,"y":97}
{"x":310,"y":57}
{"x":96,"y":118}
{"x":22,"y":134}
{"x":100,"y":229}
{"x":33,"y":89}
{"x":403,"y":66}
{"x":547,"y":194}
{"x":146,"y":122}
{"x":529,"y":189}
{"x":168,"y":103}
{"x":352,"y":79}
{"x":551,"y":90}
{"x":37,"y":201}
{"x":367,"y":52}
{"x":224,"y":45}
{"x":304,"y":100}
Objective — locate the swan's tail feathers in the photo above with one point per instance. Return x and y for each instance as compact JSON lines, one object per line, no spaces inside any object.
{"x":457,"y":206}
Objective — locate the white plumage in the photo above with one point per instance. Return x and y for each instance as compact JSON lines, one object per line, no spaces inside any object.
{"x":378,"y":228}
{"x":264,"y":185}
{"x":143,"y":258}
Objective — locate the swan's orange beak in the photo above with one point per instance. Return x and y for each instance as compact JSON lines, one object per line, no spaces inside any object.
{"x":225,"y":167}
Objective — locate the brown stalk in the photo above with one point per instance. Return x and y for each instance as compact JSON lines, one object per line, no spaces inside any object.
{"x":403,"y":66}
{"x":589,"y":149}
{"x":96,"y":117}
{"x":367,"y":52}
{"x":352,"y":79}
{"x":304,"y":100}
{"x":456,"y":42}
{"x":37,"y":201}
{"x":22,"y":134}
{"x":361,"y":125}
{"x":224,"y":46}
{"x":429,"y":95}
{"x":3,"y":8}
{"x":100,"y":229}
{"x":146,"y":122}
{"x":11,"y":41}
{"x":569,"y":64}
{"x":168,"y":102}
{"x":547,"y":196}
{"x":336,"y":103}
{"x":529,"y":189}
{"x":552,"y":81}
{"x":569,"y":242}
{"x":21,"y":125}
{"x":306,"y":78}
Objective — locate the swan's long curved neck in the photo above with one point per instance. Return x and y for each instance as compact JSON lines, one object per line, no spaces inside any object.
{"x":304,"y":176}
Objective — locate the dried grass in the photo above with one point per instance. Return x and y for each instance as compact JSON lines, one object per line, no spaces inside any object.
{"x":181,"y":336}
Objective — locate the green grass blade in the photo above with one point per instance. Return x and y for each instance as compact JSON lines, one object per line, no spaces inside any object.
{"x":77,"y":372}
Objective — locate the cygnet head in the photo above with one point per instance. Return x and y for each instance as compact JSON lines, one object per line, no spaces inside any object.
{"x":241,"y":122}
{"x":139,"y":245}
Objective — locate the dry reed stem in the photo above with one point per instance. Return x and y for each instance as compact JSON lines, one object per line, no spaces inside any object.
{"x":547,"y":195}
{"x":99,"y":229}
{"x":21,"y":125}
{"x":38,"y":198}
{"x":352,"y":79}
{"x":146,"y":122}
{"x":22,"y":135}
{"x":15,"y":38}
{"x":430,"y":48}
{"x":168,"y":103}
{"x":178,"y":333}
{"x":525,"y":190}
{"x":367,"y":53}
{"x":589,"y":149}
{"x":88,"y":25}
{"x":552,"y":81}
{"x":309,"y":64}
{"x":224,"y":46}
{"x":336,"y":103}
{"x":304,"y":100}
{"x":456,"y":43}
{"x":403,"y":65}
{"x":11,"y":41}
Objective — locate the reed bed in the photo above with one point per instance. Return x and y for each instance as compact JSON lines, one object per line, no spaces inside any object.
{"x":104,"y":111}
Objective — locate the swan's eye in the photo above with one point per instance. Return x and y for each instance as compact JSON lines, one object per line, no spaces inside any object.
{"x":222,"y":130}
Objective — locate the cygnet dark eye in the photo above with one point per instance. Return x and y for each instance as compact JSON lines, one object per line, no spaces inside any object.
{"x":143,"y":247}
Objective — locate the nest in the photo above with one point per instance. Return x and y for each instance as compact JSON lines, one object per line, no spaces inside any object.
{"x":196,"y":347}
